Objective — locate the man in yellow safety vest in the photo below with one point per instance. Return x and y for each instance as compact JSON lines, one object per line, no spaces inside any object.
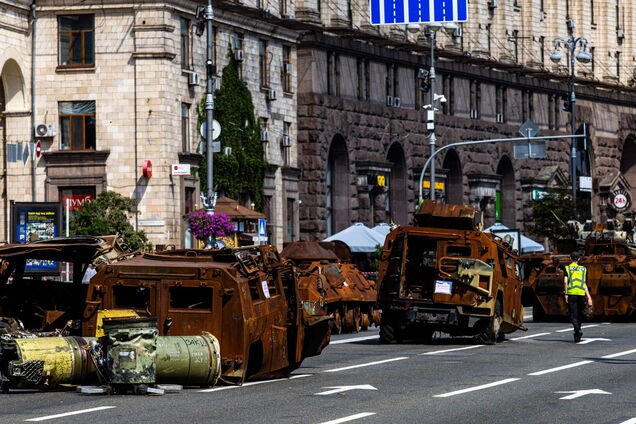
{"x":576,"y":293}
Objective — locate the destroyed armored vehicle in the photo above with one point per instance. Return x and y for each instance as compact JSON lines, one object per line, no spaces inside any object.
{"x":444,"y":274}
{"x":348,"y":295}
{"x":611,"y":277}
{"x":247,"y":297}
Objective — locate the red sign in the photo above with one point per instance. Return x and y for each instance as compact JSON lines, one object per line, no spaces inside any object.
{"x":147,"y":168}
{"x":76,"y":201}
{"x":38,"y":149}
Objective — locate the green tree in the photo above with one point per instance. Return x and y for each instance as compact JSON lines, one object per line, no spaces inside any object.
{"x":110,"y":214}
{"x":550,"y":214}
{"x":243,"y":171}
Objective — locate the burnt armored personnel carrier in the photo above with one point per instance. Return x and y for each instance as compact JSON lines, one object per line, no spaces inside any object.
{"x":444,"y":274}
{"x":266,"y":323}
{"x":611,"y":278}
{"x":349,"y":296}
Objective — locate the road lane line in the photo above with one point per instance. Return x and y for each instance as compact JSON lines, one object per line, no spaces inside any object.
{"x":356,"y":339}
{"x":435,"y":352}
{"x":530,"y":336}
{"x":367,"y":364}
{"x":350,"y":418}
{"x":616,"y":355}
{"x":582,"y":327}
{"x":564,"y":367}
{"x":66,"y":414}
{"x":254,"y":383}
{"x":483,"y":386}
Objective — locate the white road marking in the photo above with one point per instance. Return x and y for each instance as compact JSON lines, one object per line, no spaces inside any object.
{"x":564,"y":367}
{"x":254,"y":383}
{"x":435,"y":352}
{"x":586,"y":340}
{"x":582,"y":327}
{"x":483,"y":386}
{"x":350,"y":418}
{"x":530,"y":336}
{"x":630,"y":421}
{"x":578,"y":393}
{"x":368,"y":364}
{"x":340,"y":389}
{"x":356,"y":339}
{"x":616,"y":355}
{"x":66,"y":414}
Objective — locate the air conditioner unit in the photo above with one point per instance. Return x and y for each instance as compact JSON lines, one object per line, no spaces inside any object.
{"x":396,"y":102}
{"x":193,"y":78}
{"x":620,"y":33}
{"x":473,"y":113}
{"x":499,"y":118}
{"x":287,"y":141}
{"x":271,"y":94}
{"x":239,"y":55}
{"x":287,"y":68}
{"x":44,"y":130}
{"x":264,"y":136}
{"x":389,"y":100}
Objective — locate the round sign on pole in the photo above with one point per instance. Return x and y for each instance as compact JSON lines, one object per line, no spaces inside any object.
{"x":38,"y":149}
{"x":216,"y":130}
{"x":147,"y":168}
{"x":621,"y":200}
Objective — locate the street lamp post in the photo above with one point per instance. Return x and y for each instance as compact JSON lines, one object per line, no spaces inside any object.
{"x":570,"y":44}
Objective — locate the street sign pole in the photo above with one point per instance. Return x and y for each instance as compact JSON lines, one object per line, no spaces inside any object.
{"x":432,"y":138}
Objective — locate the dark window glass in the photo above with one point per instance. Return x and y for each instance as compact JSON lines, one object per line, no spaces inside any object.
{"x":195,"y":298}
{"x":136,"y":297}
{"x":185,"y":43}
{"x":76,"y":40}
{"x":77,"y":123}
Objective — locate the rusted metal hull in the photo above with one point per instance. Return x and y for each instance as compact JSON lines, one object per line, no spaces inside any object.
{"x":348,"y":295}
{"x":448,"y":276}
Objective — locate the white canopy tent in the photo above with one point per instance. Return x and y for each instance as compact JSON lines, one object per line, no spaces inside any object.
{"x":359,"y":238}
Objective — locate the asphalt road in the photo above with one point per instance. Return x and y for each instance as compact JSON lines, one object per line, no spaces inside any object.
{"x":527,"y":379}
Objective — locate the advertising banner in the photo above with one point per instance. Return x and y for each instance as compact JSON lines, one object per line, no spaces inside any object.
{"x":35,"y":221}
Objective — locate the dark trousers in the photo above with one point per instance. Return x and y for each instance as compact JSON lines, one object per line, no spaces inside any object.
{"x":576,"y":305}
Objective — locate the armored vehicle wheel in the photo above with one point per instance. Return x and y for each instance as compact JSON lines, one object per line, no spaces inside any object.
{"x":337,"y":322}
{"x":365,"y":321}
{"x":390,"y":332}
{"x":538,"y":314}
{"x":491,"y":335}
{"x":357,"y":319}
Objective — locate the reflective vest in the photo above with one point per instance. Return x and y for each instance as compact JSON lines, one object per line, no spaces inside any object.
{"x":577,"y":275}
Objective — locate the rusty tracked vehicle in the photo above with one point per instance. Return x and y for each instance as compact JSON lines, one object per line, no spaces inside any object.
{"x":247,"y":297}
{"x":348,"y":295}
{"x":445,"y":275}
{"x":611,"y":278}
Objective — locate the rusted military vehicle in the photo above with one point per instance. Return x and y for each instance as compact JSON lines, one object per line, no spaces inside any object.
{"x":611,"y":277}
{"x":444,"y":274}
{"x":247,"y":297}
{"x":348,"y":295}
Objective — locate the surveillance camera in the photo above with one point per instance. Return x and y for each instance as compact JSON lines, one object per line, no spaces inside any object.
{"x":422,"y":73}
{"x":427,"y":107}
{"x":440,"y":97}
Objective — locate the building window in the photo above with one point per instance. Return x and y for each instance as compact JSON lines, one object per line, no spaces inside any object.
{"x":500,"y":104}
{"x":283,"y":8}
{"x":475,"y":99}
{"x":287,"y":158}
{"x":618,"y":65}
{"x":289,"y":233}
{"x":489,"y":38}
{"x":332,"y":74}
{"x":185,"y":127}
{"x":237,"y":45}
{"x":77,"y":125}
{"x":391,"y":81}
{"x":76,"y":40}
{"x":189,"y":200}
{"x":527,"y":105}
{"x":542,"y":44}
{"x":262,"y":63}
{"x":185,"y":43}
{"x":552,"y":100}
{"x":287,"y":69}
{"x":363,"y":79}
{"x":592,"y":18}
{"x":515,"y":42}
{"x":592,"y":63}
{"x":448,"y":88}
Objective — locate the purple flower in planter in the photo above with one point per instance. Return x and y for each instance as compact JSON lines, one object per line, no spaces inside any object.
{"x":203,"y":225}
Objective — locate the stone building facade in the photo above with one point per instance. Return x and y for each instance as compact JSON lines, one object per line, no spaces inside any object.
{"x":119,"y":83}
{"x":495,"y":73}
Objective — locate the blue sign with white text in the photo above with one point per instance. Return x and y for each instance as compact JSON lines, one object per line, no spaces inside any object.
{"x":385,"y":12}
{"x":262,"y":225}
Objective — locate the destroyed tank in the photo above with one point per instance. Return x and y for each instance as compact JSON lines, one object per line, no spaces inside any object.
{"x":444,"y":274}
{"x":611,"y":277}
{"x":247,"y":297}
{"x":348,"y":295}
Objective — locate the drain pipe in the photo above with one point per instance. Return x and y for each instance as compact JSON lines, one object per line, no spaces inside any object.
{"x":32,"y":144}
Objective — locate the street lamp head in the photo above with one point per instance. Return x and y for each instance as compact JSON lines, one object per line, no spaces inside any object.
{"x":450,"y":27}
{"x":556,"y":56}
{"x":412,"y":28}
{"x":434,"y":26}
{"x":584,"y":56}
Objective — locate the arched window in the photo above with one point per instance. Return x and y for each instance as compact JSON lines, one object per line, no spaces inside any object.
{"x":337,"y":181}
{"x":13,"y":86}
{"x":628,"y":163}
{"x":454,"y":183}
{"x":506,"y":206}
{"x":398,"y":204}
